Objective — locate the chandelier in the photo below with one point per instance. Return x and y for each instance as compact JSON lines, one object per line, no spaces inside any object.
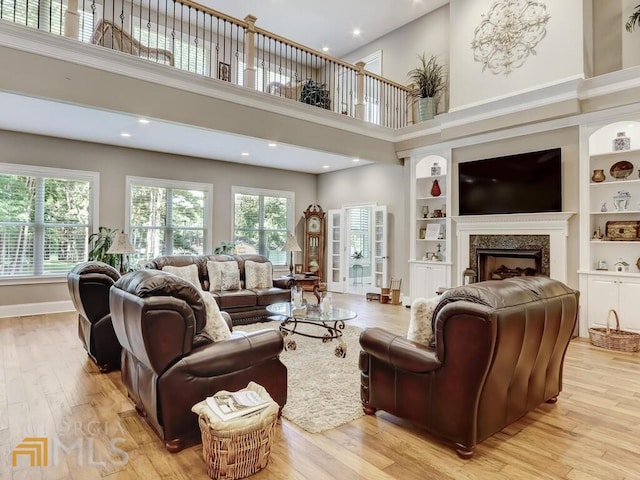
{"x":508,"y":34}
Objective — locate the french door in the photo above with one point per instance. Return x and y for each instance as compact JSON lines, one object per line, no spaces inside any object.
{"x":362,"y":229}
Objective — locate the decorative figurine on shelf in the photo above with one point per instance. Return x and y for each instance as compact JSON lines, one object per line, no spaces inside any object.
{"x":435,"y":189}
{"x":621,"y":265}
{"x":621,"y":142}
{"x":603,"y":208}
{"x":597,"y":235}
{"x":621,"y":201}
{"x":435,"y":169}
{"x":425,"y":211}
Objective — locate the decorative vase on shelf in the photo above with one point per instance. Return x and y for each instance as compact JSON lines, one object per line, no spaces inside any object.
{"x":425,"y":211}
{"x":435,"y":169}
{"x":598,"y":176}
{"x":621,"y":142}
{"x":435,"y":189}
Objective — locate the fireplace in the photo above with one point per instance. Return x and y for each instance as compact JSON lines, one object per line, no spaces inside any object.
{"x":536,"y":241}
{"x":498,"y":264}
{"x":513,"y":255}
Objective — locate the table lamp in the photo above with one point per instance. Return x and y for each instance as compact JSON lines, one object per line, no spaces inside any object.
{"x":291,"y":246}
{"x":121,"y":246}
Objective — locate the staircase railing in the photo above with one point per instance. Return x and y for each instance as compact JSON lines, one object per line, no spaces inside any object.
{"x":206,"y":42}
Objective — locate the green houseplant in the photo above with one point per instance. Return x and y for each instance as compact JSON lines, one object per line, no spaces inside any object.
{"x":428,"y":80}
{"x":99,"y":244}
{"x":226,"y":248}
{"x":634,"y":19}
{"x":316,"y":94}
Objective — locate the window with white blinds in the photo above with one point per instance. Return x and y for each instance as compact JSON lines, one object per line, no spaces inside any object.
{"x":188,"y":53}
{"x":168,"y":217}
{"x":47,"y":15}
{"x":262,"y":220}
{"x":46,"y":216}
{"x":359,"y":223}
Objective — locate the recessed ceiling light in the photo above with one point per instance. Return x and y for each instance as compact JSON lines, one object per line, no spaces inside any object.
{"x":245,"y":154}
{"x":273,"y":145}
{"x":325,"y":166}
{"x":356,"y":32}
{"x":125,"y":134}
{"x":143,"y":120}
{"x":356,"y":160}
{"x":325,"y":49}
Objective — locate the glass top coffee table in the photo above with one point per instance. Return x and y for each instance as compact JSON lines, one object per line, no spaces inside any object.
{"x":330,"y":324}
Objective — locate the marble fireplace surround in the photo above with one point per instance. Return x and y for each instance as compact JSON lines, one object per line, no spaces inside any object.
{"x":550,"y":230}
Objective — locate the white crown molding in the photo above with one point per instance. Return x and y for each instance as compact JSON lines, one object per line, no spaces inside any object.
{"x":65,"y":49}
{"x":609,"y":83}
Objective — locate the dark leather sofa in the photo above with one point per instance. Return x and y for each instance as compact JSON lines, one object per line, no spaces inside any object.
{"x":168,"y":365}
{"x":89,"y":284}
{"x":498,"y":353}
{"x":243,"y":305}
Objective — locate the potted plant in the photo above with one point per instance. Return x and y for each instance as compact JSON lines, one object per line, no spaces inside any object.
{"x":226,"y":248}
{"x":633,"y":20}
{"x":357,"y":256}
{"x":428,"y":80}
{"x":99,"y":244}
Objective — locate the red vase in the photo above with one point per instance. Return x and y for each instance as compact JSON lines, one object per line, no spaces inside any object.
{"x":435,"y":189}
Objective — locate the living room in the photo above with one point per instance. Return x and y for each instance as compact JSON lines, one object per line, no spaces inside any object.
{"x":544,"y":104}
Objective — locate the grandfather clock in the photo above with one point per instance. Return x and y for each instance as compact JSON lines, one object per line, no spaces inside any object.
{"x":314,"y":240}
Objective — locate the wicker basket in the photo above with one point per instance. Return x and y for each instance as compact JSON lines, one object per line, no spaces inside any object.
{"x":614,"y":339}
{"x":238,"y":448}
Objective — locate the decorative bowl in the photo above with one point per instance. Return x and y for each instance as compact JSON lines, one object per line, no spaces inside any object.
{"x":621,"y":170}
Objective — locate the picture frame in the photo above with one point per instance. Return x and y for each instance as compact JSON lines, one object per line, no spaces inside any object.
{"x":224,"y":71}
{"x":297,"y":268}
{"x":433,"y":231}
{"x":422,"y":233}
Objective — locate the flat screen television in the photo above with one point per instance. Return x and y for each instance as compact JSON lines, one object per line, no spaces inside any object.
{"x":524,"y":183}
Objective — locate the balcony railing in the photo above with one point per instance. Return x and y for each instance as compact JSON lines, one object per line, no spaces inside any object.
{"x":203,"y":41}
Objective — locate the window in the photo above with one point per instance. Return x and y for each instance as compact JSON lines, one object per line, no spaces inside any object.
{"x":46,"y":15}
{"x":168,"y":217}
{"x":46,"y":216}
{"x":359,"y":228}
{"x":189,"y":54}
{"x":262,"y":219}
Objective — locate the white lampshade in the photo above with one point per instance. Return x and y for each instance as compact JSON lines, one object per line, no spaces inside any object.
{"x":292,"y":244}
{"x":121,"y":244}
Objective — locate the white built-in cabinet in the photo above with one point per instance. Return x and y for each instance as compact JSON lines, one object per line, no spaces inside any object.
{"x":430,"y":232}
{"x":609,"y":272}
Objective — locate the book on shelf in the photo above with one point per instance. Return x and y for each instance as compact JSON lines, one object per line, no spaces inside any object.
{"x":230,"y":405}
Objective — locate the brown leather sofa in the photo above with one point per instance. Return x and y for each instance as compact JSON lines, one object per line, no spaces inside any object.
{"x":168,"y":365}
{"x":243,"y":305}
{"x":498,"y":353}
{"x":89,"y":284}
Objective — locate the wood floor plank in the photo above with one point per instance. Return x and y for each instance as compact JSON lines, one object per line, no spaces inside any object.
{"x":48,"y":382}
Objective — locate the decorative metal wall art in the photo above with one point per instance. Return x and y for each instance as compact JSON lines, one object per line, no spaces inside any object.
{"x":508,"y":34}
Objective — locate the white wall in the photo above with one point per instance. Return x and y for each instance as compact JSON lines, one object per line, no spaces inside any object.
{"x":630,"y":40}
{"x":559,"y":55}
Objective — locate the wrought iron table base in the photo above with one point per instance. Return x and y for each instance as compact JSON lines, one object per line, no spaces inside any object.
{"x":332,"y":330}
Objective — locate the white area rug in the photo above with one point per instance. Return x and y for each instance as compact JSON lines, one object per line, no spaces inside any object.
{"x":323,"y":389}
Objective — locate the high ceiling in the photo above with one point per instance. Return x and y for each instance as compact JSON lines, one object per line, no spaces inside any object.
{"x":328,"y":23}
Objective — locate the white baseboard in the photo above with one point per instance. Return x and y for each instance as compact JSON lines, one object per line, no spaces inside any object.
{"x":25,"y":309}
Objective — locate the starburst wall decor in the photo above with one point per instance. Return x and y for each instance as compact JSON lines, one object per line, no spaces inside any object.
{"x":508,"y":34}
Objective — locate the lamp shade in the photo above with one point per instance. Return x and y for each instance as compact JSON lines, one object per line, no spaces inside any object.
{"x":121,"y":244}
{"x":292,"y":244}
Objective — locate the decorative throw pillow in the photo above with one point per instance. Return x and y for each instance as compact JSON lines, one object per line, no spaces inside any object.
{"x":216,"y":327}
{"x":230,"y":280}
{"x":420,"y":326}
{"x":216,"y":271}
{"x":258,"y":275}
{"x":188,"y":273}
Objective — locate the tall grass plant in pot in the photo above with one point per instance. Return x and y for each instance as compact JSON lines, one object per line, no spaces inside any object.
{"x":429,"y":82}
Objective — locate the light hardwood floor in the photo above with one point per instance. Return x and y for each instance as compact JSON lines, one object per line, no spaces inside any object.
{"x":48,"y":385}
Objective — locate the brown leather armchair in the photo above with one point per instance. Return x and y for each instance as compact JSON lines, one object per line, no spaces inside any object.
{"x":498,"y":353}
{"x":89,"y":284}
{"x":168,"y":365}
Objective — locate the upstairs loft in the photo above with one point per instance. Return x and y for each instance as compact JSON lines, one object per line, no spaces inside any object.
{"x":229,"y":75}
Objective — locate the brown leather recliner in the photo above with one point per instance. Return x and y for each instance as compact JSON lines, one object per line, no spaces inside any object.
{"x":168,"y":365}
{"x":498,"y":353}
{"x":89,"y":284}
